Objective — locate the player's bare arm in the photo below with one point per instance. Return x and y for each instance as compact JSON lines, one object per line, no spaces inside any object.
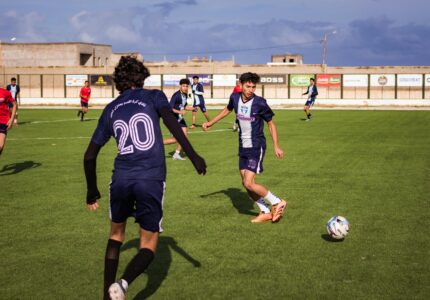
{"x":274,"y":133}
{"x":224,"y":113}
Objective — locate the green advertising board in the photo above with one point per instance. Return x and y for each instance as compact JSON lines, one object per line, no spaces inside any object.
{"x":300,"y":79}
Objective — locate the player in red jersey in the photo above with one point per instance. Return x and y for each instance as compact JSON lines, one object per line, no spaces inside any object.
{"x":6,"y":119}
{"x":85,"y":97}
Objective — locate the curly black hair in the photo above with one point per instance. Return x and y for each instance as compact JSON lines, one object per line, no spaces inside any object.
{"x":184,"y":81}
{"x":249,"y":77}
{"x":129,"y":73}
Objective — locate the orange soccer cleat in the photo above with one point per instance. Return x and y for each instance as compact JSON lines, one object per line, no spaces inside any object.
{"x":277,"y":210}
{"x":262,"y":217}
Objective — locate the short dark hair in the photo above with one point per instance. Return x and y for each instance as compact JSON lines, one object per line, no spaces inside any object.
{"x":249,"y":77}
{"x":184,"y":81}
{"x":195,"y":77}
{"x":86,"y":81}
{"x":13,"y":79}
{"x":129,"y":72}
{"x":313,"y":79}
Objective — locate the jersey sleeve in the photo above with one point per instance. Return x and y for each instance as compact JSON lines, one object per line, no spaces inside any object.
{"x":230,"y":105}
{"x":266,"y":112}
{"x":174,"y":101}
{"x":103,"y":131}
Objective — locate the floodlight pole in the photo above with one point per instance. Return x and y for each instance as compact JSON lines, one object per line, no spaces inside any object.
{"x":324,"y":55}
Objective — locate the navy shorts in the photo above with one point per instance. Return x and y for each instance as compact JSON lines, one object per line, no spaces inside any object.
{"x":201,"y":105}
{"x":310,"y":102}
{"x":182,"y":123}
{"x":141,"y":198}
{"x":84,"y":104}
{"x":252,"y":159}
{"x":3,"y":128}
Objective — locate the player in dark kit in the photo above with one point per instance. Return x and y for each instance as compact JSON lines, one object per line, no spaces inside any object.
{"x":312,"y":93}
{"x":251,"y":113}
{"x":138,"y":180}
{"x":178,"y":102}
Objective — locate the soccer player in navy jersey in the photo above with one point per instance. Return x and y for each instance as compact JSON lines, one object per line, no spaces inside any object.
{"x":199,"y":100}
{"x":178,"y":102}
{"x":312,"y":93}
{"x":138,"y":180}
{"x":251,"y":113}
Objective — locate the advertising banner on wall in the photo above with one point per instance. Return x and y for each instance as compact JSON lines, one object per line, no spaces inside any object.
{"x":427,"y":80}
{"x":204,"y":79}
{"x":300,"y":79}
{"x":409,"y":79}
{"x":172,"y":80}
{"x":76,"y":80}
{"x":382,"y":80}
{"x":224,"y":80}
{"x":153,"y":80}
{"x":331,"y":80}
{"x":101,"y":80}
{"x":273,"y":79}
{"x":361,"y":80}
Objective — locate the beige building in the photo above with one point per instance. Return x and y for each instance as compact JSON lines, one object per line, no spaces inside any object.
{"x":46,"y":71}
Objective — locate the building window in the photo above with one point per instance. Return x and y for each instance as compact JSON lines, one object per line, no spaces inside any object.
{"x":84,"y":58}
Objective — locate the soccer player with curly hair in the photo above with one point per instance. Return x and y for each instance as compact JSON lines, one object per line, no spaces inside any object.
{"x":138,"y":181}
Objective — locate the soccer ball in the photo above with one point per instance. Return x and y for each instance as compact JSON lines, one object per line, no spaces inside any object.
{"x":337,"y":227}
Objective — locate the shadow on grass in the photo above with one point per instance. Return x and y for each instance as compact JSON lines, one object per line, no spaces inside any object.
{"x":328,"y":238}
{"x":239,"y":199}
{"x":15,"y":168}
{"x":159,"y":268}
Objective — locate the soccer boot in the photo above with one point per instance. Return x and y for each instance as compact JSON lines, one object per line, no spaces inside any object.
{"x":116,"y":291}
{"x":177,"y":156}
{"x":262,"y":217}
{"x":277,"y":211}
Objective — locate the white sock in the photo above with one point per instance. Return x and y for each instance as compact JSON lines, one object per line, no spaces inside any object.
{"x":272,"y":198}
{"x":124,"y":284}
{"x":262,"y":205}
{"x":177,"y":151}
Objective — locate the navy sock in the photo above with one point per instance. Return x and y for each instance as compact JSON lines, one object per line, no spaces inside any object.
{"x":111,"y":264}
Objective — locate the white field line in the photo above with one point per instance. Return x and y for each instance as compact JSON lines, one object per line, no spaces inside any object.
{"x":88,"y":137}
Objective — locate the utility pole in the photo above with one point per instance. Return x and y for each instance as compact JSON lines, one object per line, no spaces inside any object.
{"x":324,"y":55}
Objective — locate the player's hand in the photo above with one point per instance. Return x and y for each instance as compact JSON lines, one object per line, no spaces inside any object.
{"x":10,"y":123}
{"x":195,"y":109}
{"x":279,"y":152}
{"x":183,"y":112}
{"x":93,"y":206}
{"x":200,"y":164}
{"x":206,"y":126}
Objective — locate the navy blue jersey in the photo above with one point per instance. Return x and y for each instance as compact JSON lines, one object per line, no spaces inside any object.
{"x":133,"y":119}
{"x":178,"y":102}
{"x":198,"y":93}
{"x":250,"y":117}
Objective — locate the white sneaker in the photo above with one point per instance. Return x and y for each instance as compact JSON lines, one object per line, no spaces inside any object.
{"x":116,"y":291}
{"x":177,"y":156}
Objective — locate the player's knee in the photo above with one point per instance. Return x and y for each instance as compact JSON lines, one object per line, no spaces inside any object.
{"x":248,"y":184}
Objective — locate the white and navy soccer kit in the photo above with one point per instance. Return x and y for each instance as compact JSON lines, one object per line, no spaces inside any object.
{"x":198,"y":96}
{"x":250,"y":117}
{"x":138,"y":179}
{"x":312,"y":93}
{"x":179,"y":102}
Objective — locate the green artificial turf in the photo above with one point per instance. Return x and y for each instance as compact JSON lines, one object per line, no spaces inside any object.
{"x":372,"y":167}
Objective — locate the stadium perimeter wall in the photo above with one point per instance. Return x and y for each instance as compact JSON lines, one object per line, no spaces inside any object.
{"x":50,"y":85}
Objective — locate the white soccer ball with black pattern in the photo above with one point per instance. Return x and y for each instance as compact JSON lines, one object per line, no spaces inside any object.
{"x":338,"y":227}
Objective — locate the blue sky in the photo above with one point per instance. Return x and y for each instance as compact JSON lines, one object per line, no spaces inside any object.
{"x":368,"y":32}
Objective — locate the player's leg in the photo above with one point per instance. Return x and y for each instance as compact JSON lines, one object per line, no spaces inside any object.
{"x":265,"y":214}
{"x":193,"y":118}
{"x":121,"y":207}
{"x":84,"y":111}
{"x":203,"y":109}
{"x":177,"y":155}
{"x":149,"y":214}
{"x":15,"y":120}
{"x":3,"y":132}
{"x":116,"y":238}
